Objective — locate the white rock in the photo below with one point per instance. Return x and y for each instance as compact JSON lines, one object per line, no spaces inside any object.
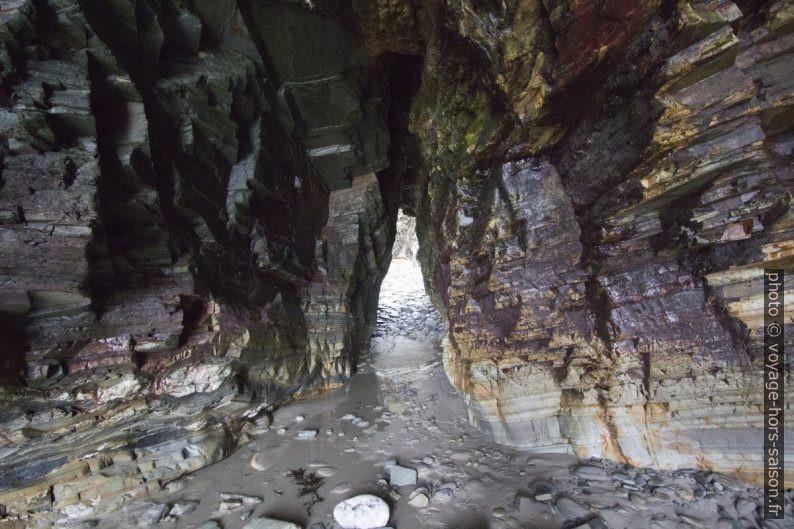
{"x":419,"y":501}
{"x":326,"y":472}
{"x":232,"y":502}
{"x":256,"y":465}
{"x":185,"y":379}
{"x":342,"y":488}
{"x":307,"y":434}
{"x":362,"y":512}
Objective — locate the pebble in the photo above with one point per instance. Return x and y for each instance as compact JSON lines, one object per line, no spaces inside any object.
{"x":256,"y":465}
{"x":638,"y":501}
{"x":543,"y":490}
{"x":623,"y":478}
{"x":571,"y":508}
{"x":664,"y":492}
{"x":342,"y":488}
{"x":362,"y":512}
{"x":153,"y":515}
{"x":181,"y":508}
{"x":443,"y":495}
{"x":300,"y":418}
{"x":232,"y":502}
{"x":591,"y":473}
{"x":307,"y":434}
{"x":690,"y":521}
{"x":326,"y":472}
{"x":498,"y":513}
{"x":401,"y":476}
{"x":745,"y":508}
{"x":419,"y":501}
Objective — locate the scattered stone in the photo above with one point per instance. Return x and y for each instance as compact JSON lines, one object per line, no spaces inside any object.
{"x":307,"y":434}
{"x":638,"y":501}
{"x":419,"y":501}
{"x":498,"y":513}
{"x":595,"y":523}
{"x":745,"y":508}
{"x":543,"y":490}
{"x":591,"y":473}
{"x":300,"y":418}
{"x":326,"y":472}
{"x":443,"y":495}
{"x":257,"y":465}
{"x":664,"y":492}
{"x":571,"y":508}
{"x":690,"y":521}
{"x":153,"y":515}
{"x":430,"y":461}
{"x":401,"y":476}
{"x":623,"y":478}
{"x":231,"y":502}
{"x":181,"y":508}
{"x":342,"y":488}
{"x":362,"y":512}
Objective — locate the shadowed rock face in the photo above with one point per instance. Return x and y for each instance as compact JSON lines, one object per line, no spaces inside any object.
{"x":198,"y":201}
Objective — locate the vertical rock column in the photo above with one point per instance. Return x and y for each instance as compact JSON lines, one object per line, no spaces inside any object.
{"x":353,"y":258}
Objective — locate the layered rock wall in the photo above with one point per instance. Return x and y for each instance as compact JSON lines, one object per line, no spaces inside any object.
{"x":174,"y":261}
{"x":198,"y":200}
{"x":597,"y":231}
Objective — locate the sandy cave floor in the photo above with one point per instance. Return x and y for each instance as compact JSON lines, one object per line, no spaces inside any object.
{"x":401,"y":408}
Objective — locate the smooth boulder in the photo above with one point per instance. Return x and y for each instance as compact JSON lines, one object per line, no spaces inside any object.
{"x":362,"y":512}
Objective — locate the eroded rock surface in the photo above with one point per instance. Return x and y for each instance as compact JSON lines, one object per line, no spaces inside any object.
{"x":198,"y":201}
{"x":597,"y":232}
{"x":176,"y":258}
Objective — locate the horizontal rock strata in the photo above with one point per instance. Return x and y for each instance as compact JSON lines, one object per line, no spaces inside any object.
{"x":198,"y":201}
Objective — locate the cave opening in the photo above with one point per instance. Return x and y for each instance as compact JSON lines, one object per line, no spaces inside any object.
{"x":404,"y":307}
{"x":214,"y":307}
